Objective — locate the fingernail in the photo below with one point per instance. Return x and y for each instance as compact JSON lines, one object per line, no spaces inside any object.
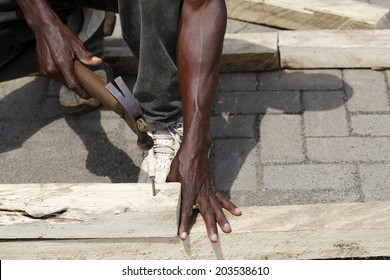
{"x":95,"y":59}
{"x":238,"y":211}
{"x":227,"y":227}
{"x":214,"y":237}
{"x":183,"y":235}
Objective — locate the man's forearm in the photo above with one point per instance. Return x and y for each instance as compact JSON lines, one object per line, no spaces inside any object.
{"x":201,"y":33}
{"x":38,"y":13}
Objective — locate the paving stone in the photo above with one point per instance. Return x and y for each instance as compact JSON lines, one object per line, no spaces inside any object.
{"x":257,"y":102}
{"x":371,"y":125}
{"x":366,"y":91}
{"x":233,"y":126}
{"x":280,"y":138}
{"x":237,"y":82}
{"x":59,"y":153}
{"x":348,"y":149}
{"x":301,"y":80}
{"x":325,"y":114}
{"x":235,"y":164}
{"x":313,"y":176}
{"x":23,"y":99}
{"x":375,"y":181}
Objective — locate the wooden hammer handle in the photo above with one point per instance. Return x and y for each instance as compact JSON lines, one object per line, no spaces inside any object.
{"x":95,"y":86}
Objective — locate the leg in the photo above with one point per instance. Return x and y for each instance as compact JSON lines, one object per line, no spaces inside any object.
{"x":200,"y":39}
{"x":150,"y":30}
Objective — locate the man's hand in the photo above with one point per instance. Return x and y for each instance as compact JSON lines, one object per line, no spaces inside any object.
{"x":192,"y":169}
{"x":57,"y":46}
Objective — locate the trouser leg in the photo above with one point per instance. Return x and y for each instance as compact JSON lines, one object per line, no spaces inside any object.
{"x":150,"y":30}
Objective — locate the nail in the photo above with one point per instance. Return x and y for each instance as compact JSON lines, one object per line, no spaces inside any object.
{"x":214,"y":237}
{"x":227,"y":227}
{"x":95,"y":59}
{"x":152,"y":178}
{"x":183,"y":235}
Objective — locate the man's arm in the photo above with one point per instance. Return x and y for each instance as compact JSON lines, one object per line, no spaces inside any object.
{"x":57,"y":46}
{"x":200,"y":39}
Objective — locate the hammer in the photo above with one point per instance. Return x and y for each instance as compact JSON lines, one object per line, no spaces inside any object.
{"x":120,"y":100}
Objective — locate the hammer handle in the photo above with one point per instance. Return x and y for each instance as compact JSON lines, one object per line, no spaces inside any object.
{"x":95,"y":86}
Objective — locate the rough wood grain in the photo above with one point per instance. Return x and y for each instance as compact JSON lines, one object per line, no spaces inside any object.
{"x":279,"y":232}
{"x":88,"y":210}
{"x":310,"y":14}
{"x":335,"y":49}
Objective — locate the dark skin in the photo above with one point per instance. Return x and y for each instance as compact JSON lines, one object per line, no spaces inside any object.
{"x":199,"y":46}
{"x":57,"y":46}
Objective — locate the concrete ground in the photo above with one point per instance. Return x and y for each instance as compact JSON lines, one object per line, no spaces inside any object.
{"x":280,"y":137}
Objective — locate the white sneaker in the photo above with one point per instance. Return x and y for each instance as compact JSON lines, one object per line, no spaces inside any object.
{"x":72,"y":104}
{"x":157,"y":161}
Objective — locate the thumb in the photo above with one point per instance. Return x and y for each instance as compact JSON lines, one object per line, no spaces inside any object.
{"x":91,"y":60}
{"x":86,"y":57}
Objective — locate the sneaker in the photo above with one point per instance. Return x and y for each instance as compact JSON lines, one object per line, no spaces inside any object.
{"x":72,"y":104}
{"x":157,"y":161}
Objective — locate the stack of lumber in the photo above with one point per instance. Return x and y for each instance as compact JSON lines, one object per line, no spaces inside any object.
{"x":354,"y":35}
{"x":310,"y":14}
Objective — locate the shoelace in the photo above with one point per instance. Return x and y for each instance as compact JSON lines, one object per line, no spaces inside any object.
{"x":167,"y":143}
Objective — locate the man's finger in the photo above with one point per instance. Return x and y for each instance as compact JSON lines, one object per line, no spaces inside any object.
{"x":220,"y":216}
{"x":86,"y":57}
{"x":186,"y":215}
{"x":208,"y":215}
{"x":227,"y":204}
{"x":72,"y":83}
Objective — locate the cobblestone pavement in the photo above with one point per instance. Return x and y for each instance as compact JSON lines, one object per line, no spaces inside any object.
{"x":280,"y":137}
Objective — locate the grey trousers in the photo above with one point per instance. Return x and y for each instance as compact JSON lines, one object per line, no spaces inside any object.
{"x":150,"y":30}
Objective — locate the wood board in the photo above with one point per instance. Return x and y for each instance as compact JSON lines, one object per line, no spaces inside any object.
{"x":310,"y":14}
{"x":249,"y":52}
{"x":335,"y":49}
{"x":274,"y":232}
{"x":241,"y":52}
{"x":29,"y":211}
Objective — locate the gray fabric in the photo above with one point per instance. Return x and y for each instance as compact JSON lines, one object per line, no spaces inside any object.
{"x":150,"y":29}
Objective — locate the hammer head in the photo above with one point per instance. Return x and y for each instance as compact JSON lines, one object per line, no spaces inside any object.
{"x":131,"y":112}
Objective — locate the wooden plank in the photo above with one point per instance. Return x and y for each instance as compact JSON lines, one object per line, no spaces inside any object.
{"x":278,"y":232}
{"x":335,"y":49}
{"x":250,"y":52}
{"x":241,"y":52}
{"x":310,"y":14}
{"x":88,"y":210}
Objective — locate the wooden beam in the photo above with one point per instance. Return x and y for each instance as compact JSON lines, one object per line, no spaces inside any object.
{"x":310,"y":14}
{"x":293,"y":50}
{"x":335,"y":49}
{"x":30,"y":211}
{"x":241,"y":52}
{"x":250,"y":52}
{"x":278,"y":232}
